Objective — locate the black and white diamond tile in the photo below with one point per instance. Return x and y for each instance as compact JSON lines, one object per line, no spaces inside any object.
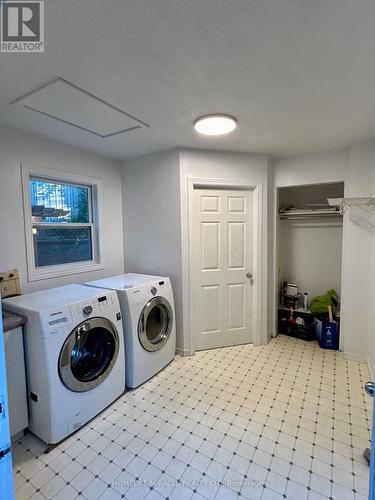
{"x":286,"y":420}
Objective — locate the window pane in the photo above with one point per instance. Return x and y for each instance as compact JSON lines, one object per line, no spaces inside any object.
{"x":59,"y":245}
{"x":59,"y":202}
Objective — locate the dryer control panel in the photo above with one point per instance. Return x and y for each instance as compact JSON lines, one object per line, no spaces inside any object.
{"x":142,"y":294}
{"x":157,"y":287}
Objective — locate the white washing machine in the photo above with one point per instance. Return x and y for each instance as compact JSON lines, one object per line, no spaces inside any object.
{"x":147,"y":308}
{"x":74,"y":349}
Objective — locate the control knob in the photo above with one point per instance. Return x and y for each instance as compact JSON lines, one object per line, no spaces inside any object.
{"x":87,"y":309}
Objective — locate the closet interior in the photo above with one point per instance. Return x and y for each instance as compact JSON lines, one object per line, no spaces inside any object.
{"x":309,"y":254}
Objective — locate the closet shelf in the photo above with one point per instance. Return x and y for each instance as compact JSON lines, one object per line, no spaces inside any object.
{"x":309,"y":212}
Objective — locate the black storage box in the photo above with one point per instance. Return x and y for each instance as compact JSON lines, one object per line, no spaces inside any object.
{"x":300,"y":325}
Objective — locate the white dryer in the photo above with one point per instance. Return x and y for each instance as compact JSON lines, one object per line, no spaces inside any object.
{"x":75,"y":360}
{"x":147,"y":308}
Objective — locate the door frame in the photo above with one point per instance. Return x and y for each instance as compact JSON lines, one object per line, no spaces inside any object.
{"x":188,"y":262}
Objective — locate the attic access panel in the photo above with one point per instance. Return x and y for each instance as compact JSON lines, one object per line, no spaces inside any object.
{"x":69,"y":104}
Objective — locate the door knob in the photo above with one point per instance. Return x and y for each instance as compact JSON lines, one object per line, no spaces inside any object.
{"x":369,"y":388}
{"x":249,"y":275}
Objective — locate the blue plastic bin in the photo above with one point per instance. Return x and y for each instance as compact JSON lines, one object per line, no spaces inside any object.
{"x":327,"y":334}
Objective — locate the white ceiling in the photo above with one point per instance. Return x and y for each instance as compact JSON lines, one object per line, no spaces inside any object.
{"x":68,"y":103}
{"x":299,"y":75}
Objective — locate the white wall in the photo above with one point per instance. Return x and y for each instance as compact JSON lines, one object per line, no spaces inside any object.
{"x":152,"y":224}
{"x":241,"y":167}
{"x":358,"y":257}
{"x":356,"y":167}
{"x":17,"y":147}
{"x":299,"y":170}
{"x":156,"y":214}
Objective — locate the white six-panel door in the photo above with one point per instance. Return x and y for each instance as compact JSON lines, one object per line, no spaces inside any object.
{"x":223,"y":258}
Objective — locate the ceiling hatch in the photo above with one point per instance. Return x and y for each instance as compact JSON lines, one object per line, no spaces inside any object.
{"x":69,"y":104}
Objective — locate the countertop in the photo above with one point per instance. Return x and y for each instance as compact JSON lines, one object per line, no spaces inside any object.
{"x":12,"y":320}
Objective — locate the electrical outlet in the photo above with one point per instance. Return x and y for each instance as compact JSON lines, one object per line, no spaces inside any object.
{"x":10,"y":283}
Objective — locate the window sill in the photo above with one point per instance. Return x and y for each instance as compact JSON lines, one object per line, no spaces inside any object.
{"x":63,"y":270}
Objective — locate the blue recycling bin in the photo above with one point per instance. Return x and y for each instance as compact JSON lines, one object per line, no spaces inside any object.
{"x":327,"y":334}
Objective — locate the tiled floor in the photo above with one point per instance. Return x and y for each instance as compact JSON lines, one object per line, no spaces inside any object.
{"x":287,"y":420}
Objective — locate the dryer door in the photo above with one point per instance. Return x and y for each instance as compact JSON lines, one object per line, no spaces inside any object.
{"x":155,"y":324}
{"x":88,"y":354}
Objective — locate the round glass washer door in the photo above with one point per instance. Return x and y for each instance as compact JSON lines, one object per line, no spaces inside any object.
{"x":155,"y":324}
{"x":88,"y":354}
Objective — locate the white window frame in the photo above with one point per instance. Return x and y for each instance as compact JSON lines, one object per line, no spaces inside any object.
{"x":95,"y":185}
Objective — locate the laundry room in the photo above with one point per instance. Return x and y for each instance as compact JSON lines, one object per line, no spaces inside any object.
{"x":187,"y":250}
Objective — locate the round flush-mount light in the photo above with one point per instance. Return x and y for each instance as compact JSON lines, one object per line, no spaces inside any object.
{"x":215,"y":124}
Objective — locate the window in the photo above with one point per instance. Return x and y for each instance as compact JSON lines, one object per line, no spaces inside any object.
{"x":61,"y":223}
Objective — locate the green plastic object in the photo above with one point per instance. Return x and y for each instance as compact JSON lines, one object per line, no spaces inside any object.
{"x":320,"y":303}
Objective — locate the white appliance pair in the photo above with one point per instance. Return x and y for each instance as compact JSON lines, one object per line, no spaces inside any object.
{"x":75,"y":346}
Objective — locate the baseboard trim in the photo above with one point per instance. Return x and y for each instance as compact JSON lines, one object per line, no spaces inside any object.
{"x":182,"y":352}
{"x":370,"y":369}
{"x":358,"y":358}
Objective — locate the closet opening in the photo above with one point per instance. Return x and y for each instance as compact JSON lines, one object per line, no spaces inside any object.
{"x":309,"y":262}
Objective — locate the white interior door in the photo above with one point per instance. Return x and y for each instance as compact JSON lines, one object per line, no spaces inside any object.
{"x":223,"y":258}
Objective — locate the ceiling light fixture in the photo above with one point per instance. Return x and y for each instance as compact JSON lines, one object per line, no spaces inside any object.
{"x":215,"y":124}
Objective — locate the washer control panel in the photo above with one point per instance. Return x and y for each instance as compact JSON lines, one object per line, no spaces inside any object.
{"x":97,"y":306}
{"x":67,"y":316}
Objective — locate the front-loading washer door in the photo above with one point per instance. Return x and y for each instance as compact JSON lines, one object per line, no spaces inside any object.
{"x":155,"y":324}
{"x":88,"y":354}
